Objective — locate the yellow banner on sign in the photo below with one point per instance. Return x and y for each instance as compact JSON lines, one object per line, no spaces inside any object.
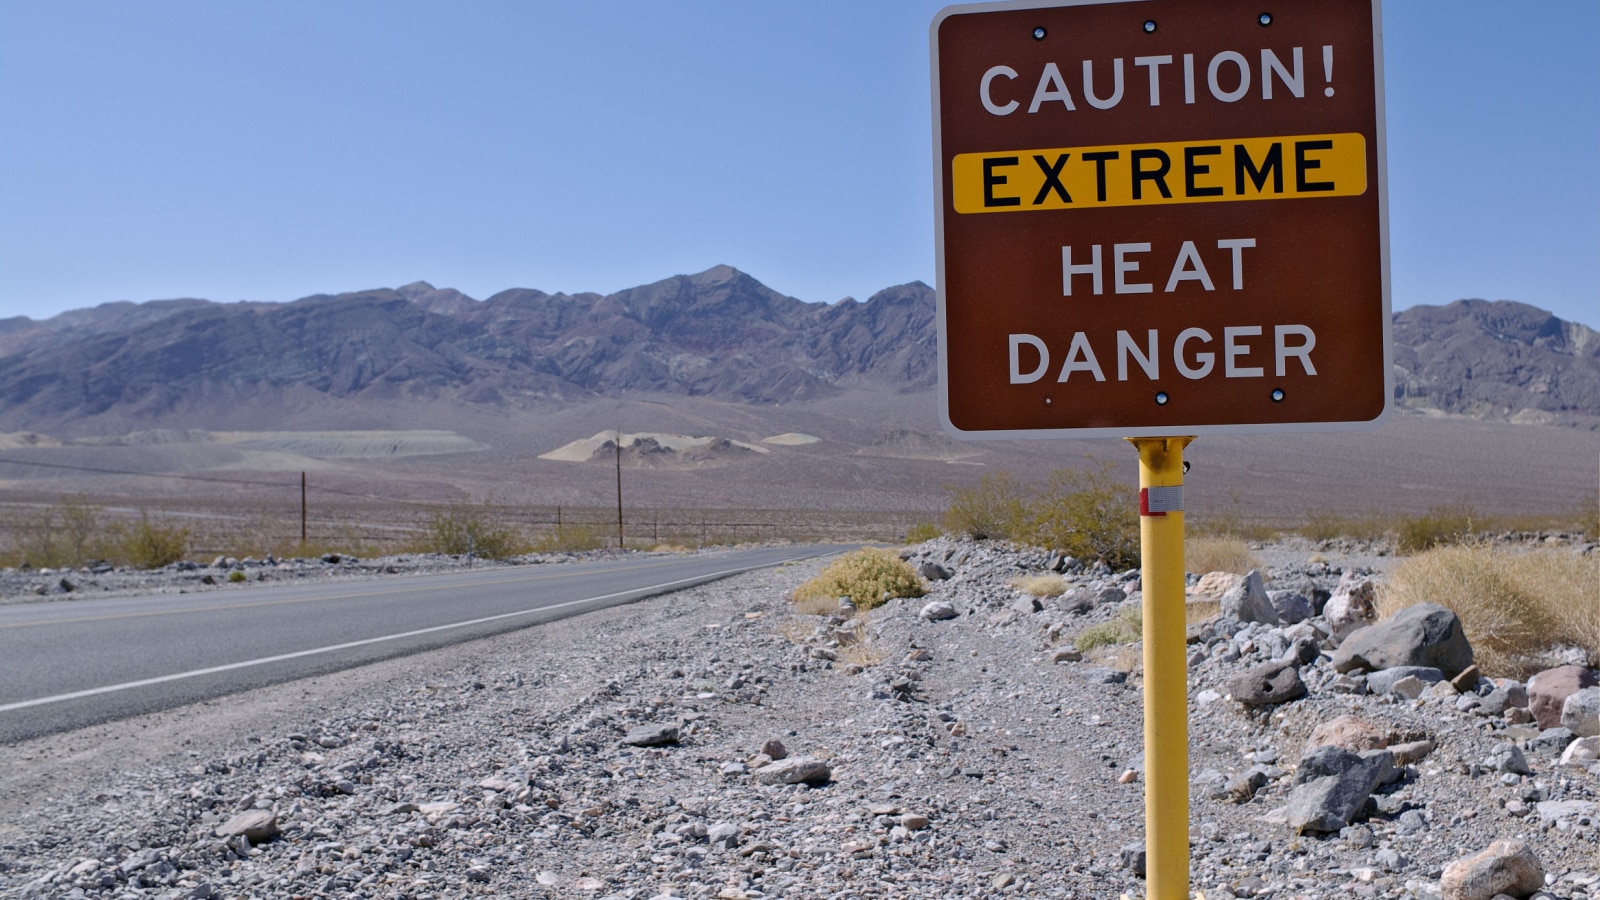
{"x":1267,"y":168}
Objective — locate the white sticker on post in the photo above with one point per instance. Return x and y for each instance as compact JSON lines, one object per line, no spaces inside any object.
{"x":1158,"y":501}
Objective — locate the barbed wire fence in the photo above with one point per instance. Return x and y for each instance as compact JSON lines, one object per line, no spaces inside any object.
{"x":297,"y":513}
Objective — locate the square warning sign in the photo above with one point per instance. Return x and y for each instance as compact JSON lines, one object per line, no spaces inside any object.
{"x":1160,"y":217}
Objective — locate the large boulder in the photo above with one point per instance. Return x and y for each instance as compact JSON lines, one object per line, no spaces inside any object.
{"x":1581,"y":712}
{"x":1426,"y":634}
{"x":1506,"y":867}
{"x":1247,"y":601}
{"x":1273,"y":682}
{"x":1549,"y":689}
{"x":1332,"y":784}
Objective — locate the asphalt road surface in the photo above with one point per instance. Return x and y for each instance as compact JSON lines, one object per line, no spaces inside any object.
{"x":68,"y":664}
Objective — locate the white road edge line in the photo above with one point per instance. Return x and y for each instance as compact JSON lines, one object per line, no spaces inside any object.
{"x":195,"y":673}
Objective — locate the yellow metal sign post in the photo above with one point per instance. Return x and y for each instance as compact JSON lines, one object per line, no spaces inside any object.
{"x":1166,"y":711}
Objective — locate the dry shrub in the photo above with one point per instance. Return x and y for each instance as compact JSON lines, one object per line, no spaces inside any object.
{"x":1441,"y":526}
{"x":867,"y":577}
{"x":1514,"y":605}
{"x":923,"y":531}
{"x":571,"y":539}
{"x":1219,"y":554}
{"x":1041,"y":585}
{"x":1127,"y":627}
{"x":816,"y":605}
{"x":1197,"y":611}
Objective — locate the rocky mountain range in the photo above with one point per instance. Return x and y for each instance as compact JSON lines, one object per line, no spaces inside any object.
{"x":719,"y":334}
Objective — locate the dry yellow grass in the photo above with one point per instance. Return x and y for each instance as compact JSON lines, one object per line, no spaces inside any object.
{"x":1219,"y":554}
{"x":1041,"y":585}
{"x":1196,"y":611}
{"x":1513,"y":604}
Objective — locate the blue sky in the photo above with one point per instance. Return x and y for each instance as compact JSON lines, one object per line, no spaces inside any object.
{"x":269,"y":151}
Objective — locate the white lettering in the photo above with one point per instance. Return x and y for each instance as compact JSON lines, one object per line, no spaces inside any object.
{"x":1205,"y":360}
{"x":1231,"y":351}
{"x":1116,"y":85}
{"x":1270,"y":63}
{"x":1180,"y":273}
{"x":1188,"y":78}
{"x":988,"y":101}
{"x":1244,"y":76}
{"x":1051,"y":87}
{"x":1237,"y":245}
{"x":1154,"y":63}
{"x":1080,"y":358}
{"x":1148,"y":361}
{"x":1122,"y":266}
{"x":1092,"y":267}
{"x":1302,"y":351}
{"x":1017,"y":375}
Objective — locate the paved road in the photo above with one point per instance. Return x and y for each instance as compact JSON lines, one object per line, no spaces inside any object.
{"x":68,"y":664}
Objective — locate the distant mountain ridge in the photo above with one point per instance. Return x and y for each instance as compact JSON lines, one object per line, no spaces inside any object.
{"x":719,"y":334}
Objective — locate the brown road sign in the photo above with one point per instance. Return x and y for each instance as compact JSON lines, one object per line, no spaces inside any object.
{"x":1160,"y":217}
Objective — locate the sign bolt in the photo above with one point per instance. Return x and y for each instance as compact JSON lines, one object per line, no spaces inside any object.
{"x":1277,"y":395}
{"x":1161,"y":398}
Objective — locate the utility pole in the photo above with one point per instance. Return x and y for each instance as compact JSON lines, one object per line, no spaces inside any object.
{"x":302,"y":507}
{"x":620,"y":545}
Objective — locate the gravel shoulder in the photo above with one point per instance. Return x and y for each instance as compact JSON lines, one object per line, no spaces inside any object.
{"x":965,"y":757}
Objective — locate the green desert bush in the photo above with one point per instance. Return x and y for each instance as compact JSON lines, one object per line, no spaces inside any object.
{"x":1127,"y":627}
{"x":867,"y":577}
{"x":1513,"y":604}
{"x":1087,"y":513}
{"x":237,"y":575}
{"x":571,"y":539}
{"x":922,"y":531}
{"x":461,"y":527}
{"x":1219,"y":554}
{"x":1084,"y":512}
{"x":993,"y":508}
{"x":148,"y":544}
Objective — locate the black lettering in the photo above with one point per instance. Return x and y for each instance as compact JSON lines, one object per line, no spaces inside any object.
{"x":1302,"y":165}
{"x":1099,"y":160}
{"x":1191,"y":169}
{"x":991,"y":180}
{"x":1158,"y":175}
{"x":1052,"y":179}
{"x":1243,"y":165}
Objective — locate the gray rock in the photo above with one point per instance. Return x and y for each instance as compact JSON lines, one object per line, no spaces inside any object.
{"x":1510,"y":695}
{"x":659,"y":735}
{"x":1555,"y":810}
{"x":1291,"y":606}
{"x":1580,"y":712}
{"x":1273,"y":682}
{"x":1242,"y":788}
{"x":724,"y":835}
{"x":254,"y":825}
{"x":774,"y":749}
{"x":933,"y":571}
{"x":1027,"y":605}
{"x":1509,"y":758}
{"x":1132,"y":857}
{"x":1104,"y":675}
{"x":1331,"y":785}
{"x":1550,"y":740}
{"x":939,"y":610}
{"x":794,"y":771}
{"x":1382,"y":681}
{"x":1303,"y":652}
{"x":1426,"y":634}
{"x":1248,"y":601}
